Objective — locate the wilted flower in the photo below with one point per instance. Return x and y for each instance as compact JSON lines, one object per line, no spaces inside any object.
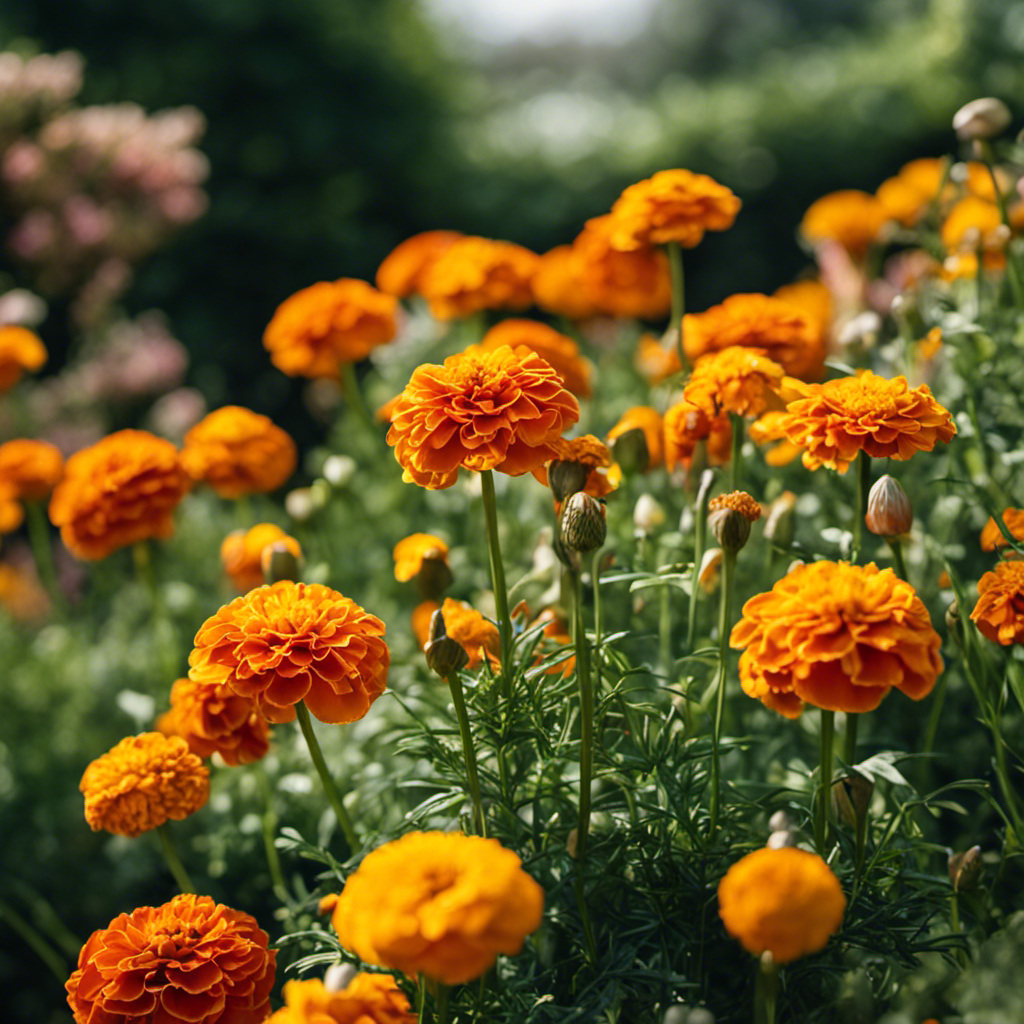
{"x":889,"y":513}
{"x":983,"y":118}
{"x":366,"y":999}
{"x":852,"y":218}
{"x":999,"y":613}
{"x":403,"y":268}
{"x":737,"y":380}
{"x":965,"y":869}
{"x":30,"y":469}
{"x":992,"y":537}
{"x":242,"y":550}
{"x":557,"y":349}
{"x":21,"y":351}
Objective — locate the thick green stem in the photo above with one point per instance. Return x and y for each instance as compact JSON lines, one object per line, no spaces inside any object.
{"x":863,"y":487}
{"x":736,"y":456}
{"x":1009,"y":792}
{"x":34,"y":941}
{"x":699,"y":541}
{"x":459,"y":701}
{"x":724,"y":620}
{"x":765,"y":990}
{"x":333,"y":796}
{"x":823,"y":810}
{"x":665,"y":659}
{"x":675,"y":263}
{"x":173,"y":860}
{"x":897,"y":557}
{"x":42,"y":551}
{"x":356,"y":402}
{"x":498,"y":583}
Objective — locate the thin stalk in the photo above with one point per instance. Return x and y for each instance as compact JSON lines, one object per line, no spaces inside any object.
{"x":142,"y":555}
{"x":863,"y":487}
{"x":954,"y":924}
{"x":269,"y":823}
{"x":850,"y":739}
{"x":724,"y":619}
{"x":665,"y":659}
{"x":765,"y":990}
{"x":333,"y":796}
{"x":897,"y":557}
{"x":932,"y":728}
{"x":985,"y":152}
{"x":699,"y":540}
{"x":861,"y":835}
{"x":736,"y":456}
{"x":459,"y":701}
{"x":675,"y":264}
{"x":595,"y":580}
{"x":1003,"y":773}
{"x":34,"y":941}
{"x":356,"y":402}
{"x":498,"y":583}
{"x":823,"y":812}
{"x":170,"y":852}
{"x":42,"y":552}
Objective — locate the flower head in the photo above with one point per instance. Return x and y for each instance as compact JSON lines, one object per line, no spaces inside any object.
{"x":737,"y":380}
{"x":655,"y":361}
{"x":686,"y":425}
{"x":785,"y":902}
{"x":907,"y":196}
{"x":999,"y":613}
{"x":971,"y":224}
{"x":837,"y":636}
{"x":241,"y":553}
{"x":403,"y":268}
{"x":20,"y":351}
{"x":439,"y":904}
{"x":190,"y":961}
{"x":813,"y":299}
{"x":651,"y":423}
{"x":31,"y":469}
{"x":142,"y":782}
{"x":578,"y":460}
{"x":478,"y":636}
{"x":888,"y":419}
{"x":411,"y":552}
{"x":480,"y":410}
{"x":12,"y":512}
{"x":558,"y":284}
{"x":992,"y":537}
{"x":367,"y":999}
{"x":121,"y":490}
{"x":736,"y":501}
{"x":326,"y":324}
{"x":853,"y":219}
{"x":557,"y":349}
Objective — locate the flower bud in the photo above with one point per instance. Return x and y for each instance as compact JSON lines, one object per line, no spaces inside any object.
{"x":700,"y":1015}
{"x":338,"y":469}
{"x":648,"y":514}
{"x":851,"y":798}
{"x":781,"y":521}
{"x":444,"y":655}
{"x":730,"y":528}
{"x":780,"y":821}
{"x":965,"y":869}
{"x":338,"y":976}
{"x":584,"y":527}
{"x":630,"y":451}
{"x":278,"y":562}
{"x":566,"y":477}
{"x":434,"y":577}
{"x":300,"y":504}
{"x":983,"y":118}
{"x":677,"y":1014}
{"x":710,"y":570}
{"x":781,"y":839}
{"x":890,"y":513}
{"x":953,"y":616}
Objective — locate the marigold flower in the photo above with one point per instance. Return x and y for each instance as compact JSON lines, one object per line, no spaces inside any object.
{"x":20,"y":593}
{"x":478,"y":273}
{"x":480,"y":410}
{"x":650,"y":421}
{"x":672,"y":206}
{"x":440,"y":904}
{"x":737,"y":380}
{"x":332,"y":322}
{"x":930,"y":345}
{"x":12,"y":514}
{"x":190,"y":961}
{"x":212,"y":719}
{"x":241,"y":553}
{"x":767,"y":428}
{"x":478,"y":636}
{"x":31,"y":469}
{"x":737,"y":501}
{"x":785,"y":902}
{"x":907,"y":196}
{"x":686,"y":425}
{"x":295,"y":641}
{"x":403,"y":268}
{"x":20,"y":351}
{"x":558,"y":284}
{"x":813,"y":299}
{"x":120,"y":490}
{"x":142,"y":782}
{"x":653,"y":361}
{"x":999,"y":613}
{"x":557,"y":349}
{"x":410,"y":553}
{"x":852,"y":218}
{"x":992,"y":537}
{"x":421,"y":617}
{"x":780,"y":330}
{"x":888,"y":419}
{"x":971,"y":224}
{"x":367,"y":999}
{"x":590,"y":455}
{"x":837,"y":636}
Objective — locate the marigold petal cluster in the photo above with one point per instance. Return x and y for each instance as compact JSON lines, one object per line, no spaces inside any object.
{"x":295,"y":641}
{"x":142,"y":782}
{"x":971,"y":224}
{"x":120,"y":490}
{"x":20,"y":351}
{"x":12,"y":513}
{"x":367,"y":999}
{"x":480,"y":410}
{"x":672,"y":206}
{"x":651,"y":422}
{"x":410,"y":552}
{"x":558,"y":285}
{"x":785,"y":902}
{"x":592,"y":454}
{"x":992,"y":537}
{"x":557,"y":349}
{"x":241,"y":551}
{"x":837,"y":636}
{"x":852,"y":218}
{"x":737,"y":501}
{"x":440,"y":904}
{"x":190,"y":961}
{"x":478,"y":636}
{"x":999,"y":613}
{"x":813,"y":299}
{"x":735,"y":380}
{"x":21,"y":596}
{"x":686,"y":426}
{"x":655,"y":361}
{"x":403,"y":268}
{"x":30,"y":469}
{"x":887,"y":419}
{"x":329,"y":323}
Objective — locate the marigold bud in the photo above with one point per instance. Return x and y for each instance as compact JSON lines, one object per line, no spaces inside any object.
{"x":730,"y":528}
{"x":338,"y":469}
{"x":338,"y":976}
{"x":780,"y":840}
{"x":710,"y":570}
{"x":983,"y":118}
{"x":566,"y":477}
{"x":584,"y":526}
{"x":630,"y":451}
{"x":434,"y":577}
{"x":781,"y":521}
{"x":444,"y":655}
{"x":300,"y":504}
{"x":648,"y":514}
{"x":278,"y":562}
{"x":851,"y":798}
{"x":965,"y":869}
{"x":952,"y":616}
{"x":890,"y":513}
{"x":780,"y":821}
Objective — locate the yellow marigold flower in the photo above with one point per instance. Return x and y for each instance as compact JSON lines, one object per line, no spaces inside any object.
{"x":778,"y":329}
{"x":837,"y":636}
{"x":30,"y":468}
{"x":478,"y":273}
{"x":142,"y":782}
{"x":212,"y":719}
{"x":590,"y":454}
{"x":557,"y":349}
{"x":12,"y":514}
{"x":992,"y":537}
{"x":999,"y":613}
{"x":653,"y":361}
{"x":20,"y":593}
{"x":295,"y":641}
{"x":971,"y":224}
{"x":329,"y":323}
{"x":410,"y":552}
{"x":785,"y":902}
{"x":478,"y":636}
{"x":852,"y":218}
{"x":813,"y":299}
{"x":480,"y":410}
{"x":119,"y":491}
{"x":737,"y":501}
{"x":20,"y":351}
{"x":739,"y":380}
{"x":190,"y":961}
{"x":888,"y":419}
{"x":241,"y":553}
{"x":238,"y":452}
{"x":440,"y":904}
{"x":686,"y":425}
{"x":643,"y":417}
{"x":403,"y":268}
{"x":367,"y":999}
{"x":558,"y":284}
{"x":907,"y":196}
{"x":672,"y":206}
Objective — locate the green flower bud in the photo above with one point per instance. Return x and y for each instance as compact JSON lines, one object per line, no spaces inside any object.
{"x":444,"y":655}
{"x":630,"y":451}
{"x":584,"y":527}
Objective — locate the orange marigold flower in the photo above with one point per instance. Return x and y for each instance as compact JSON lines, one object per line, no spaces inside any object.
{"x":590,"y":454}
{"x":329,"y":323}
{"x":440,"y":904}
{"x":653,"y":361}
{"x":992,"y":537}
{"x":782,"y":331}
{"x":813,"y":299}
{"x":558,"y":284}
{"x":327,"y":904}
{"x":888,"y":419}
{"x":837,"y":636}
{"x":410,"y":552}
{"x":20,"y":351}
{"x":930,"y":345}
{"x":785,"y":902}
{"x":241,"y":553}
{"x":20,"y":593}
{"x":120,"y":490}
{"x":404,"y":266}
{"x":421,"y":616}
{"x":190,"y":961}
{"x":142,"y":782}
{"x":686,"y":425}
{"x":767,"y":428}
{"x":557,"y":349}
{"x":480,"y":410}
{"x":672,"y":206}
{"x":999,"y":613}
{"x":650,"y":421}
{"x":238,"y":452}
{"x":971,"y":224}
{"x":30,"y":468}
{"x":295,"y":641}
{"x":12,"y":514}
{"x":212,"y":719}
{"x":907,"y":196}
{"x":852,"y":218}
{"x":478,"y":273}
{"x":478,"y":636}
{"x":737,"y":501}
{"x":367,"y":999}
{"x":738,"y":380}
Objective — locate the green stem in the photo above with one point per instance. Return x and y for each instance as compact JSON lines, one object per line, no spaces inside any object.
{"x":985,"y":151}
{"x":459,"y":701}
{"x":269,"y":822}
{"x":42,"y":551}
{"x":333,"y":796}
{"x":724,"y":619}
{"x":441,"y":1005}
{"x":765,"y":991}
{"x":354,"y":397}
{"x":675,"y":263}
{"x":595,"y":580}
{"x":142,"y":555}
{"x":823,"y":811}
{"x":736,"y":456}
{"x":897,"y":557}
{"x":850,"y":739}
{"x":665,"y":659}
{"x":1003,"y":773}
{"x":699,"y":541}
{"x":863,"y":487}
{"x":34,"y":941}
{"x":173,"y":860}
{"x":498,"y":583}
